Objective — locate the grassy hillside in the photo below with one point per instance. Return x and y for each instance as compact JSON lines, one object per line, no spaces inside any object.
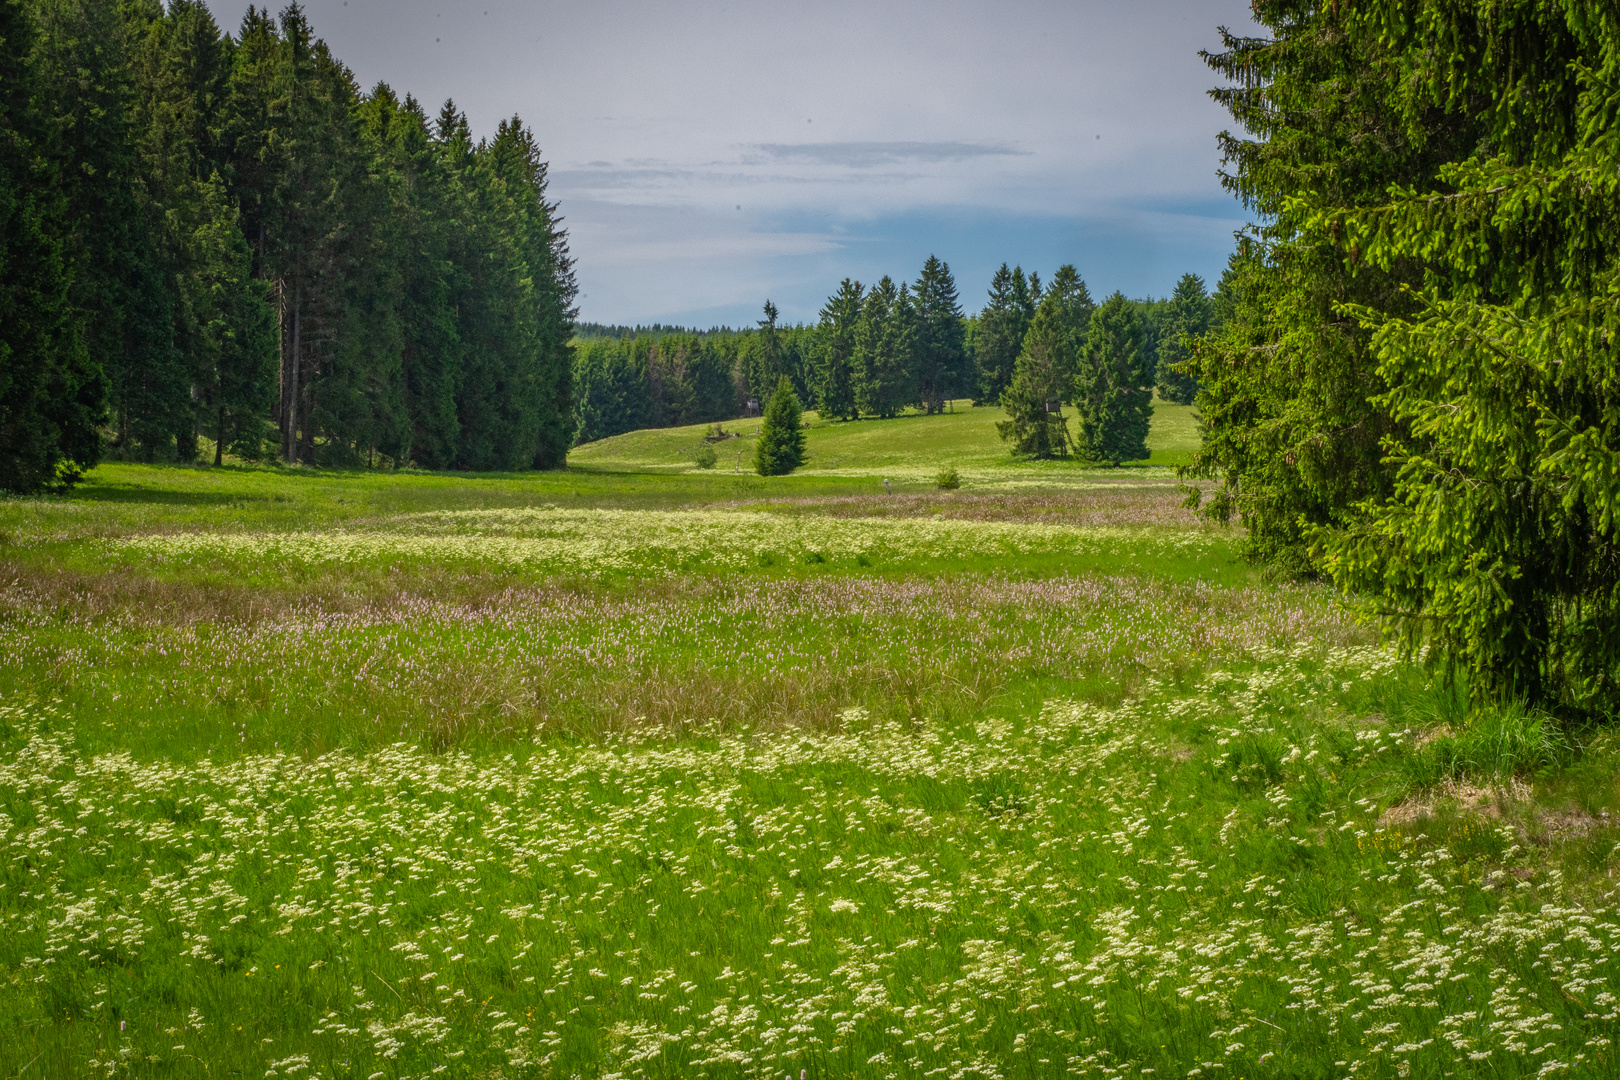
{"x":912,"y":447}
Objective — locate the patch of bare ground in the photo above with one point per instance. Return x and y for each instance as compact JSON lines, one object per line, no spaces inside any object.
{"x":1510,"y":802}
{"x":1459,"y":797}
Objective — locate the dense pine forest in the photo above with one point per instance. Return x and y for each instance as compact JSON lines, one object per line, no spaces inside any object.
{"x":217,"y":241}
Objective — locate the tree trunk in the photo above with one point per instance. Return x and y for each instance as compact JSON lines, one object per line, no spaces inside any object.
{"x":219,"y":438}
{"x":290,"y":436}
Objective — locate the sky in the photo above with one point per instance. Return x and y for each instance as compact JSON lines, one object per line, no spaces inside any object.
{"x":708,"y":156}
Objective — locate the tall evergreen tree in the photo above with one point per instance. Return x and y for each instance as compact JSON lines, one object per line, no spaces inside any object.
{"x":1114,"y":387}
{"x":230,"y":330}
{"x":1002,"y":326}
{"x":1290,"y":393}
{"x":221,"y":341}
{"x":840,"y":324}
{"x":1071,"y":306}
{"x":513,"y":394}
{"x":780,"y":448}
{"x":763,"y":365}
{"x":1495,"y":549}
{"x":883,"y":350}
{"x":216,"y":213}
{"x":51,"y":395}
{"x":1044,"y":375}
{"x":1188,"y":317}
{"x":83,"y":60}
{"x":938,"y":352}
{"x":416,"y":241}
{"x":710,"y":385}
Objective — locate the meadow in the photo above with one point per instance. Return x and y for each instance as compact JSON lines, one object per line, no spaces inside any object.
{"x":618,"y":774}
{"x":910,"y":447}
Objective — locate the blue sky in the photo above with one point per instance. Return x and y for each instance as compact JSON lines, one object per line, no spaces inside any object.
{"x":708,"y":156}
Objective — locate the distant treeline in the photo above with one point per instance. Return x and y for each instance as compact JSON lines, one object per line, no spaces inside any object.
{"x":590,"y":331}
{"x":206,"y":237}
{"x":875,"y":351}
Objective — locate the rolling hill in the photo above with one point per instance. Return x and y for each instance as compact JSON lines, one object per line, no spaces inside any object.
{"x":906,"y":447}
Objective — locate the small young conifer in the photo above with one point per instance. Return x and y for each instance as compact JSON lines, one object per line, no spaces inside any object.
{"x":780,"y":449}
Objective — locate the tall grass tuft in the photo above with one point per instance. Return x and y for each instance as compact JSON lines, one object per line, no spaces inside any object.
{"x":1496,"y":742}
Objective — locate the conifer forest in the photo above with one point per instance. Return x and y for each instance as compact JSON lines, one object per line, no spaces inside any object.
{"x":222,"y":237}
{"x":993,"y":672}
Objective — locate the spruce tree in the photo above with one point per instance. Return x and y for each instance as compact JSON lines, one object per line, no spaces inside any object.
{"x":780,"y":448}
{"x":121,"y":281}
{"x":1000,"y":338}
{"x":1043,"y":377}
{"x":764,"y":355}
{"x":1113,"y":390}
{"x":1289,"y":391}
{"x":222,"y":338}
{"x":169,"y":192}
{"x":1495,"y":550}
{"x":835,"y":381}
{"x":1188,"y":317}
{"x":883,"y":348}
{"x":708,"y":373}
{"x":51,"y":395}
{"x":939,"y":350}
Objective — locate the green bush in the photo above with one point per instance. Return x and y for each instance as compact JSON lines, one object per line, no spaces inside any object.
{"x":948,"y":478}
{"x":705,"y":457}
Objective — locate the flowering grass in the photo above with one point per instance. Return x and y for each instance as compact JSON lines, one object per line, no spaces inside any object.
{"x":590,"y":781}
{"x":1191,"y":883}
{"x":600,"y":543}
{"x":186,"y":678}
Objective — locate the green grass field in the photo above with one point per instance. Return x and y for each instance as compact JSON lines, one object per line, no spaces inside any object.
{"x":616,"y":773}
{"x":912,"y":448}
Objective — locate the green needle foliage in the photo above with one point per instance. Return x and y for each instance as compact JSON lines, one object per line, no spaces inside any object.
{"x":1188,"y":319}
{"x":1419,"y":378}
{"x":1291,"y":430}
{"x":939,"y":366}
{"x":780,"y":448}
{"x":884,"y":343}
{"x":1500,"y":543}
{"x":835,"y":382}
{"x":172,"y":191}
{"x":50,"y":394}
{"x":1044,"y":376}
{"x":1114,"y":385}
{"x":1002,"y":326}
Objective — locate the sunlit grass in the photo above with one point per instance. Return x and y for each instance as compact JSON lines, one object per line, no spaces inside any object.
{"x":912,"y":448}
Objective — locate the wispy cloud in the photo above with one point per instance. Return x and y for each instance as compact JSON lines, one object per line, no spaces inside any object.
{"x":869,"y":155}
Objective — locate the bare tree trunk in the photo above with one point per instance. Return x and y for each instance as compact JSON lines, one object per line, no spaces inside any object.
{"x":290,"y":438}
{"x":308,"y":433}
